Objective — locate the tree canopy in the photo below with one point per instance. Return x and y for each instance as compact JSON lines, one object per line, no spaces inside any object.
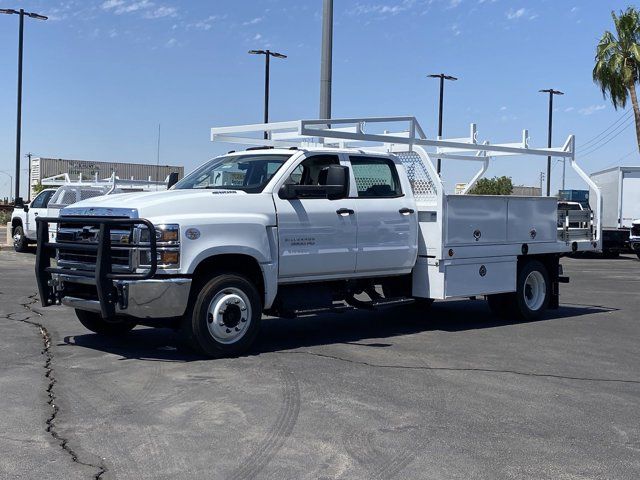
{"x":493,"y":186}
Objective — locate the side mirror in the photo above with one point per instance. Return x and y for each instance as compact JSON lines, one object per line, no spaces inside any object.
{"x":288,"y":191}
{"x":335,"y":178}
{"x":173,"y":179}
{"x":19,"y":202}
{"x":25,"y":208}
{"x":333,"y":185}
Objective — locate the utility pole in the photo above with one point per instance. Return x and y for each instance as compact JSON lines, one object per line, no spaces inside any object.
{"x":267,"y":54}
{"x":326,"y":62}
{"x":442,"y":78}
{"x":541,"y":182}
{"x":551,"y":93}
{"x":22,"y":14}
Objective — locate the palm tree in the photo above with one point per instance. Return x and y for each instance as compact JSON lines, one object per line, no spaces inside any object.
{"x":617,"y":69}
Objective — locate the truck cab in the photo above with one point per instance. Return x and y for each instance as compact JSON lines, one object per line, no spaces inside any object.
{"x":23,"y":219}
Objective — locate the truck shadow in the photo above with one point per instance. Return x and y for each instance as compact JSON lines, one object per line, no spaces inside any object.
{"x":373,"y":329}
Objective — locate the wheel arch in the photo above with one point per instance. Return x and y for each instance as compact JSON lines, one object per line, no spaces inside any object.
{"x":240,"y":263}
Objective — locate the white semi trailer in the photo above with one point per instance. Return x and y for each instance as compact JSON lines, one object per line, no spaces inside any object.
{"x":620,"y":190}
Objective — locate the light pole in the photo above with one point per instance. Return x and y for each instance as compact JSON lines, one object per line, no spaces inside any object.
{"x":10,"y":184}
{"x":442,"y":78}
{"x":551,"y":93}
{"x":326,"y":60}
{"x":267,"y":55}
{"x":22,"y":14}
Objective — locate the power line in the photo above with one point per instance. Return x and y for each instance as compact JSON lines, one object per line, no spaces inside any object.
{"x":616,"y":130}
{"x":612,"y":134}
{"x":621,"y":118}
{"x":598,"y":147}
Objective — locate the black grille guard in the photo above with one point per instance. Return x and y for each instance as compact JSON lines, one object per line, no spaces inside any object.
{"x":102,"y":274}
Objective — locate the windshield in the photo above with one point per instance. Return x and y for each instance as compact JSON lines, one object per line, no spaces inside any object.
{"x":249,"y":173}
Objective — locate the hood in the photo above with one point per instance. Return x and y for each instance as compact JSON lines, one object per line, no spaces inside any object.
{"x":173,"y":205}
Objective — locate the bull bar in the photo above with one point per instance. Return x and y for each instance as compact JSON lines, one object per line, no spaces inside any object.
{"x":103,"y":276}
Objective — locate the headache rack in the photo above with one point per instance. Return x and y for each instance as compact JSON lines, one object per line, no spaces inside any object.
{"x":103,"y":275}
{"x":404,"y":137}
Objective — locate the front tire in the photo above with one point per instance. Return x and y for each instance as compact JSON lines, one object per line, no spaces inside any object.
{"x":20,"y":242}
{"x":93,"y":321}
{"x":224,"y":319}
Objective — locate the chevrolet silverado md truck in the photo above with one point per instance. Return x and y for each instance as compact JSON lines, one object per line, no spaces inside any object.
{"x":322,"y":215}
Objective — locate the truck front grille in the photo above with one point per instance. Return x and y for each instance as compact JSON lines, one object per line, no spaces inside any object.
{"x":121,"y":257}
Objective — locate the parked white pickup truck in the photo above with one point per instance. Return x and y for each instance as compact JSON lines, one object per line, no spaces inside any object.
{"x":309,"y":221}
{"x":23,"y":219}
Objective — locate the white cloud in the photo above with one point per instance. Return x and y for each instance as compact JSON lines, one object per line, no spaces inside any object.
{"x":161,"y":12}
{"x":384,"y":9}
{"x":172,"y":42}
{"x":150,"y":9}
{"x":455,"y":29}
{"x":591,"y":109}
{"x":516,"y":14}
{"x":454,"y":3}
{"x":257,"y":36}
{"x":253,"y":21}
{"x":569,"y":109}
{"x":502,"y":109}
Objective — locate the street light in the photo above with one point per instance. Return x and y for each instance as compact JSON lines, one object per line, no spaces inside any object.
{"x":22,"y":14}
{"x":10,"y":184}
{"x":442,"y":78}
{"x":551,"y":93}
{"x":267,"y":55}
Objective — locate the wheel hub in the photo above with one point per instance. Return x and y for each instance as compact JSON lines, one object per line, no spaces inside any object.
{"x":229,"y":315}
{"x":535,"y":290}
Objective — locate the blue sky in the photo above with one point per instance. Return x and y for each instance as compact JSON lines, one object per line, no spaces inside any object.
{"x":100,"y":75}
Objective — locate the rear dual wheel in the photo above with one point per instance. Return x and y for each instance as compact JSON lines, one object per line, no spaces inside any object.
{"x":532,"y":295}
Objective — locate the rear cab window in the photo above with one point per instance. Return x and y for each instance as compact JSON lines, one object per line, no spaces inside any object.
{"x":376,"y":177}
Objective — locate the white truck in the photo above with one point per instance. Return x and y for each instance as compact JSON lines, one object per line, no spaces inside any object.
{"x":320,"y":216}
{"x":620,"y":190}
{"x":23,"y":219}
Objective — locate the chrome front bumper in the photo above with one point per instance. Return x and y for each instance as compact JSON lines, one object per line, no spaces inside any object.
{"x":154,"y":298}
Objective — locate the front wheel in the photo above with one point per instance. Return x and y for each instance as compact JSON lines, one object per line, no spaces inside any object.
{"x":20,"y":242}
{"x":93,"y":321}
{"x":225,"y":316}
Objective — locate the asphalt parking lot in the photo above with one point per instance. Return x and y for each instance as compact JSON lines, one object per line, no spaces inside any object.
{"x":453,"y":393}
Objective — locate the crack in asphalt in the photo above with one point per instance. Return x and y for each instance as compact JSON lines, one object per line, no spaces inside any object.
{"x":63,"y":442}
{"x":463,"y":369}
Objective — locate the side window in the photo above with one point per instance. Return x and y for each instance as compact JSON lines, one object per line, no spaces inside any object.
{"x":308,"y":172}
{"x":42,"y":200}
{"x":375,"y":177}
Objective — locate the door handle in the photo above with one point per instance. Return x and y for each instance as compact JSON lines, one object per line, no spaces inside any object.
{"x":345,"y":211}
{"x":406,"y":211}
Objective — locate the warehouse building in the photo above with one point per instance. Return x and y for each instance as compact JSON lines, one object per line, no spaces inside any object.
{"x":42,"y":168}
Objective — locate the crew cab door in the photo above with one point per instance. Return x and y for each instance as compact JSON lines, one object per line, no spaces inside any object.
{"x":386,"y":214}
{"x":38,"y":207}
{"x":316,"y":236}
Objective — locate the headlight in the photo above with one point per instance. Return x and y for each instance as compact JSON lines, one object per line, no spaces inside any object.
{"x":165,"y":234}
{"x":167,"y":247}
